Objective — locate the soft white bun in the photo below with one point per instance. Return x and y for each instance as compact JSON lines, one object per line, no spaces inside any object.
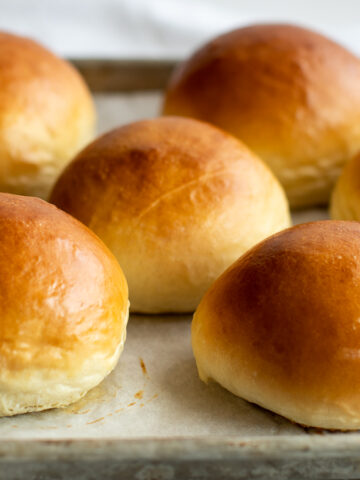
{"x":345,"y":199}
{"x":292,"y":95}
{"x":281,"y":327}
{"x":63,"y":307}
{"x":46,"y":116}
{"x":177,"y":201}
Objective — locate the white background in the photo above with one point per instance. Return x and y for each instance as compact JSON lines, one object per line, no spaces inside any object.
{"x":164,"y":28}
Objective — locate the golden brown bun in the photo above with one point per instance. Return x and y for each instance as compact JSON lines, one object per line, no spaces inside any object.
{"x":345,"y":199}
{"x":177,"y":201}
{"x":46,"y":116}
{"x":292,"y":95}
{"x":281,"y":327}
{"x":63,"y":307}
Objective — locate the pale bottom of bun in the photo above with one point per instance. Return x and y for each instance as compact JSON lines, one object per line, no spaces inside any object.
{"x":175,"y":281}
{"x":310,"y":184}
{"x":343,"y":416}
{"x":33,"y":391}
{"x":345,"y":204}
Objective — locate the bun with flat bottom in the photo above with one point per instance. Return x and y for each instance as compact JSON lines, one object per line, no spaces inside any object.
{"x":46,"y":116}
{"x":63,"y":307}
{"x":177,"y":201}
{"x":292,"y":95}
{"x":281,"y":327}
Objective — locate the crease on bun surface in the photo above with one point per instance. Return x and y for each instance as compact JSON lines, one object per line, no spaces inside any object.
{"x":63,"y":307}
{"x":345,"y":199}
{"x":46,"y":116}
{"x":292,"y":95}
{"x":281,"y":327}
{"x":177,"y":201}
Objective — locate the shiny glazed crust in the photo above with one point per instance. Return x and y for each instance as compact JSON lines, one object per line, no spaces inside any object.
{"x":63,"y":307}
{"x":177,"y":201}
{"x":46,"y":116}
{"x":281,"y":327}
{"x":292,"y":95}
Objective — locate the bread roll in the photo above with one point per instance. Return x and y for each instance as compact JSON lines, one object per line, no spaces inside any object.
{"x":63,"y":307}
{"x":46,"y":116}
{"x":177,"y":201}
{"x":345,"y":199}
{"x":281,"y":327}
{"x":292,"y":95}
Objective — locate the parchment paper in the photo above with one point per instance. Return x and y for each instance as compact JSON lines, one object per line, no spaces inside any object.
{"x":155,"y":390}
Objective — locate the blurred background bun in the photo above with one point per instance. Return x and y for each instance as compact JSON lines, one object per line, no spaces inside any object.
{"x":280,"y":328}
{"x":63,"y":307}
{"x":177,"y":201}
{"x":345,"y":199}
{"x":292,"y":95}
{"x":46,"y":116}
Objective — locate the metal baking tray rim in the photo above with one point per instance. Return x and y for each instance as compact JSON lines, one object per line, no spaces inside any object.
{"x":182,"y":449}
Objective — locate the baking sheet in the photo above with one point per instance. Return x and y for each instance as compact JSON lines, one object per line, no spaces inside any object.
{"x":155,"y":389}
{"x":155,"y":393}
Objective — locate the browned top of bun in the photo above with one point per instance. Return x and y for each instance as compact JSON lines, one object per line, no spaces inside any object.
{"x":139,"y":163}
{"x":31,"y":79}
